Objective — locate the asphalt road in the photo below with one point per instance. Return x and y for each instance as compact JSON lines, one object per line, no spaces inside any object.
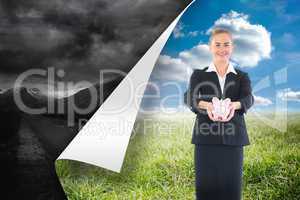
{"x":27,"y":172}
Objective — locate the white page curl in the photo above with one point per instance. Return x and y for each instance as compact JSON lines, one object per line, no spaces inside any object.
{"x":104,"y":138}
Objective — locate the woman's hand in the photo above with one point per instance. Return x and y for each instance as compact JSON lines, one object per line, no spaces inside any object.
{"x":209,"y":109}
{"x":235,"y":105}
{"x":208,"y":106}
{"x":231,"y":113}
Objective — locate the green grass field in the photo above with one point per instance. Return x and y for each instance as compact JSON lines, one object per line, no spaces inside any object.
{"x":159,"y":164}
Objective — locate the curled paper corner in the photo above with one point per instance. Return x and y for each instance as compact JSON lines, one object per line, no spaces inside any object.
{"x":104,"y":139}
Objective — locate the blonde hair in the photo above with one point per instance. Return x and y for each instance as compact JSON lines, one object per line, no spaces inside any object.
{"x":217,"y":31}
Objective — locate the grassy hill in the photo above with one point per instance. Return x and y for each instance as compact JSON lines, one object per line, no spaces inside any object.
{"x":159,"y":164}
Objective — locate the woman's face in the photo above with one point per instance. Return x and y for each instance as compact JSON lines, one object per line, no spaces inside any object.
{"x":221,"y":47}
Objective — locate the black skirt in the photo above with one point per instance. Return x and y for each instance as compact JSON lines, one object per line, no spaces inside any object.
{"x":219,"y":170}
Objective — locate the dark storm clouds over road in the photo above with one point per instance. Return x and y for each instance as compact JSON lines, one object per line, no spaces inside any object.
{"x":78,"y":36}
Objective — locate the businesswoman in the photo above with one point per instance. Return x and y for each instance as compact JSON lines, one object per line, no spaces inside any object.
{"x":219,"y":142}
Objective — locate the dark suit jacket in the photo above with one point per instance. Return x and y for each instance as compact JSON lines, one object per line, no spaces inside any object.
{"x":204,"y":86}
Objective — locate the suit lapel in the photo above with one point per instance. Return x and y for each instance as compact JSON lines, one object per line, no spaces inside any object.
{"x":229,"y":82}
{"x":214,"y":78}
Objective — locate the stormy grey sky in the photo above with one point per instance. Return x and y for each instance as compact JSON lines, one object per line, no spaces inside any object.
{"x":78,"y":36}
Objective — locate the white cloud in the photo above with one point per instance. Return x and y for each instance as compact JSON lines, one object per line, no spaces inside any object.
{"x":196,"y":57}
{"x":180,"y":68}
{"x":171,"y":69}
{"x":290,"y":95}
{"x":252,"y":41}
{"x":178,"y":31}
{"x":262,"y":101}
{"x":193,"y":33}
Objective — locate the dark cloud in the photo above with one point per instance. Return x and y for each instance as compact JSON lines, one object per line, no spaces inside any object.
{"x":78,"y":36}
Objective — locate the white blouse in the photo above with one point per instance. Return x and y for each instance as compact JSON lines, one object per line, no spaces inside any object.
{"x":212,"y":68}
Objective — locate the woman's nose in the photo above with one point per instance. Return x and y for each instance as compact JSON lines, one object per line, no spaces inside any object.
{"x":222,"y":50}
{"x":223,"y":47}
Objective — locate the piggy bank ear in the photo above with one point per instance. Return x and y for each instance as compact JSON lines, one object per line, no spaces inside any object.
{"x":215,"y":101}
{"x":227,"y":101}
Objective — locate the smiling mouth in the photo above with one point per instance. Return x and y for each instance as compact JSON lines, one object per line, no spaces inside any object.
{"x":222,"y":55}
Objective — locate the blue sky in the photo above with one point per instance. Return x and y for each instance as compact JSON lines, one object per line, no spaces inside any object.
{"x":267,"y":48}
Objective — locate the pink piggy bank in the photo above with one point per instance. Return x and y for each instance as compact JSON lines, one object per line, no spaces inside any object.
{"x":221,"y":108}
